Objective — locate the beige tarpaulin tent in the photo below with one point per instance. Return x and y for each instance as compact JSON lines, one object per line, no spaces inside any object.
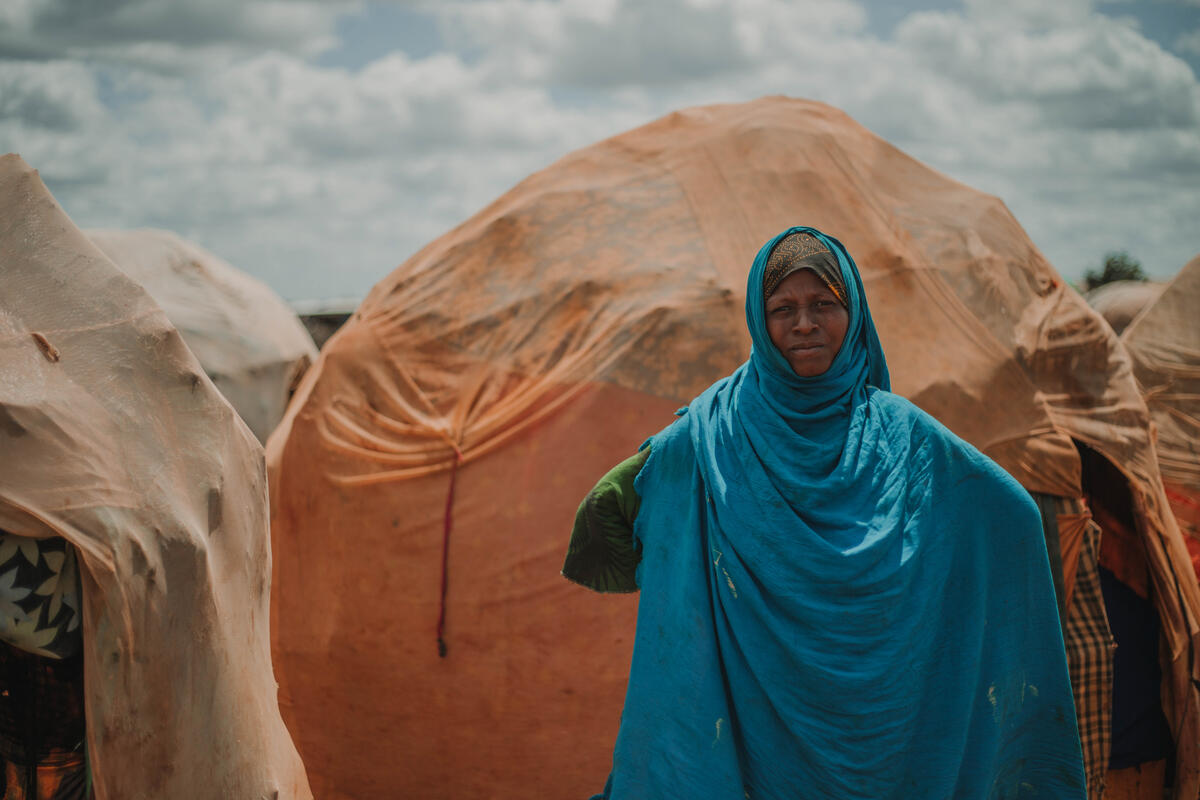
{"x":113,"y":439}
{"x":1120,"y":301}
{"x":248,"y":340}
{"x":483,"y":387}
{"x":1164,"y":342}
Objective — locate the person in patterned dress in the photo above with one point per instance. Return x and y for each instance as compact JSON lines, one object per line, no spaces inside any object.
{"x":42,"y":730}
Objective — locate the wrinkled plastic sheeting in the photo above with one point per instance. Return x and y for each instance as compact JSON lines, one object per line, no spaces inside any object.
{"x":1119,"y":302}
{"x":114,"y":439}
{"x":546,"y":337}
{"x":1164,"y":342}
{"x":249,"y":341}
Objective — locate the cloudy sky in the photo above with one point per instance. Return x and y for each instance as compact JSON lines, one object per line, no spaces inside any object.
{"x":319,"y":143}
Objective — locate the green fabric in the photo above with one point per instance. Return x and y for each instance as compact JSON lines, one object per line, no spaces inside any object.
{"x":602,"y":555}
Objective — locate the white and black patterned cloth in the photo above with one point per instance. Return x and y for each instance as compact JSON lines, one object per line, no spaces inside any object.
{"x":39,"y":595}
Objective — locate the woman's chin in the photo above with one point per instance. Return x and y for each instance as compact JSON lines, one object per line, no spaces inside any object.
{"x":809,"y":365}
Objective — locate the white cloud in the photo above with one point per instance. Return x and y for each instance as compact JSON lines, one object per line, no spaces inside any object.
{"x":631,"y":43}
{"x":322,"y":179}
{"x":150,"y":32}
{"x":1096,"y":74}
{"x":283,"y":167}
{"x":1029,"y":14}
{"x":649,"y":43}
{"x":56,"y":96}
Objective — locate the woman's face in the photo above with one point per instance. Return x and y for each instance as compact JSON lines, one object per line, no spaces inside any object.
{"x":806,"y":322}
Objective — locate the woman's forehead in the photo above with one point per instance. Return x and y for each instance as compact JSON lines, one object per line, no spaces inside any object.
{"x":803,"y":281}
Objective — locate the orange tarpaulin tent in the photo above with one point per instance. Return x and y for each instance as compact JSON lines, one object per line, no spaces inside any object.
{"x":483,"y":387}
{"x":113,"y":439}
{"x":1164,"y":343}
{"x":250,"y":343}
{"x":1120,"y":301}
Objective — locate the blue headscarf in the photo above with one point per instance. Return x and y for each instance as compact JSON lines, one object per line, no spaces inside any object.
{"x":839,"y":598}
{"x":860,"y":361}
{"x":815,"y":410}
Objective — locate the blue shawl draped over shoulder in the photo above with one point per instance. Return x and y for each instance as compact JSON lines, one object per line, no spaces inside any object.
{"x":839,"y":597}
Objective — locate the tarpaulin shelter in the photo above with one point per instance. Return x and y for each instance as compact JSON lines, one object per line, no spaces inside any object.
{"x":484,"y":385}
{"x":1164,"y":343}
{"x":322,"y":318}
{"x":113,"y":439}
{"x":249,"y":341}
{"x":1120,"y":301}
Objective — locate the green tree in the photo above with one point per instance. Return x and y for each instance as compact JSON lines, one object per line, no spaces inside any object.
{"x":1118,"y":266}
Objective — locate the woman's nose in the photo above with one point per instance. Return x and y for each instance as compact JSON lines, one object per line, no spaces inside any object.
{"x":805,"y":322}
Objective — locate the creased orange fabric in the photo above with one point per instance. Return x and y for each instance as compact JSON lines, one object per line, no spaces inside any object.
{"x":553,"y":331}
{"x":113,"y":438}
{"x":1122,"y":553}
{"x":1164,"y":344}
{"x":1186,"y":505}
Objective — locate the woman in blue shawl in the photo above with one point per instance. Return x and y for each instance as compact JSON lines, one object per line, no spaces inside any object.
{"x":839,"y":597}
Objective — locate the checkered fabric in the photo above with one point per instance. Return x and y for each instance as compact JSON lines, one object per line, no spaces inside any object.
{"x":1090,"y":654}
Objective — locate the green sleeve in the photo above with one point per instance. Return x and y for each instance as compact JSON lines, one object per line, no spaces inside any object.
{"x":602,"y":555}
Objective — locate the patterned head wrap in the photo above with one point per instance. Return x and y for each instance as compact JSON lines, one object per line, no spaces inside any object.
{"x":798,"y":251}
